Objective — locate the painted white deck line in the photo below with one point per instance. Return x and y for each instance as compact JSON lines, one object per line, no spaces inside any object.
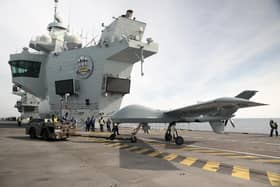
{"x":240,"y":152}
{"x":225,"y":150}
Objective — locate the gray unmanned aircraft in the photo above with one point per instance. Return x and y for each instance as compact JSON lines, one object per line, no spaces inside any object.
{"x":217,"y":112}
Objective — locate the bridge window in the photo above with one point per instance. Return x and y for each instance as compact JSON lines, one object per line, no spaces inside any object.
{"x":25,"y":68}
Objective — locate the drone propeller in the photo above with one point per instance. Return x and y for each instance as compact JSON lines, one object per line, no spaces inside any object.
{"x":226,"y":121}
{"x":231,"y":122}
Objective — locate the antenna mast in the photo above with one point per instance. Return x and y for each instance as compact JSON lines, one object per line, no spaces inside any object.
{"x":55,"y":9}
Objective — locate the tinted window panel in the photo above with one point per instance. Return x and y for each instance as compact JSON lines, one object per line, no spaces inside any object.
{"x":63,"y":87}
{"x":117,"y":85}
{"x":25,"y":68}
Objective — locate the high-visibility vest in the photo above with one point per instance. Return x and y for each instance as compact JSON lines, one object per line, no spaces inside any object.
{"x":101,"y":121}
{"x":274,"y":125}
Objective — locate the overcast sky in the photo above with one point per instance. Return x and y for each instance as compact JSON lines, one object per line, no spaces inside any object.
{"x":207,"y":49}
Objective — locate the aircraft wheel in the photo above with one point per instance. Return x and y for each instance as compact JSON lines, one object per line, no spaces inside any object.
{"x":32,"y":133}
{"x":168,"y":137}
{"x":179,"y":140}
{"x":133,"y":139}
{"x":112,"y":137}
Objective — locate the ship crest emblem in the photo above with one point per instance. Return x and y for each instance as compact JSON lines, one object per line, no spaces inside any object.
{"x":84,"y":67}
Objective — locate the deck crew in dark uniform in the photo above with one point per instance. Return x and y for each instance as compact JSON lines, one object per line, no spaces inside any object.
{"x":274,"y":127}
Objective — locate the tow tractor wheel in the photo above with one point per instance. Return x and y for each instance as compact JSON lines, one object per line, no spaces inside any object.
{"x":112,"y":137}
{"x":133,"y":139}
{"x":168,"y":137}
{"x":32,"y":133}
{"x":179,"y":140}
{"x":45,"y":134}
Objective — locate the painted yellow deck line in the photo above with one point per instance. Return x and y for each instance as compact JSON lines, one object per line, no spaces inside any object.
{"x":120,"y":146}
{"x":131,"y":148}
{"x":241,"y":172}
{"x":157,"y":144}
{"x":237,"y":171}
{"x":211,"y":166}
{"x":114,"y":144}
{"x":188,"y":161}
{"x":107,"y":143}
{"x":274,"y":178}
{"x":170,"y":157}
{"x":154,"y":154}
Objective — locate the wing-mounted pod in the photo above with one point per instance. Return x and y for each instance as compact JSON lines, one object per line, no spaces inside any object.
{"x":217,"y":126}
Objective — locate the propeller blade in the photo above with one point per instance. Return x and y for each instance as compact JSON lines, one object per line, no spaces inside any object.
{"x":232,"y":124}
{"x":226,"y":121}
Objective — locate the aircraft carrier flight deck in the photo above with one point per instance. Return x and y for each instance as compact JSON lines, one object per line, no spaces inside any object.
{"x":68,"y":82}
{"x":88,"y":159}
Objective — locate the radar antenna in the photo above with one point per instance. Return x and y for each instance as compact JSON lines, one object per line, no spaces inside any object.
{"x":93,"y":40}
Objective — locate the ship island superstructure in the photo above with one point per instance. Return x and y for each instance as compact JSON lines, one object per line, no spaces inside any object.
{"x":84,"y":80}
{"x":28,"y":105}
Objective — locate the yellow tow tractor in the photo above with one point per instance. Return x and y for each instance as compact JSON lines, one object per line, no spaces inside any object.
{"x":49,"y":129}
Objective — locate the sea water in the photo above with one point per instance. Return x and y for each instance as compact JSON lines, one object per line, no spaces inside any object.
{"x":242,"y":125}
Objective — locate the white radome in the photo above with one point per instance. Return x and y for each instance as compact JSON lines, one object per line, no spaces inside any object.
{"x":72,"y":41}
{"x":44,"y":38}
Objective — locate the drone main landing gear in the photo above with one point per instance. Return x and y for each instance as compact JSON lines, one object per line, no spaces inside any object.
{"x":133,"y":134}
{"x":171,"y":133}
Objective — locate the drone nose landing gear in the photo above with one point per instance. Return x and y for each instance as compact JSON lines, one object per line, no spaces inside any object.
{"x":171,"y":133}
